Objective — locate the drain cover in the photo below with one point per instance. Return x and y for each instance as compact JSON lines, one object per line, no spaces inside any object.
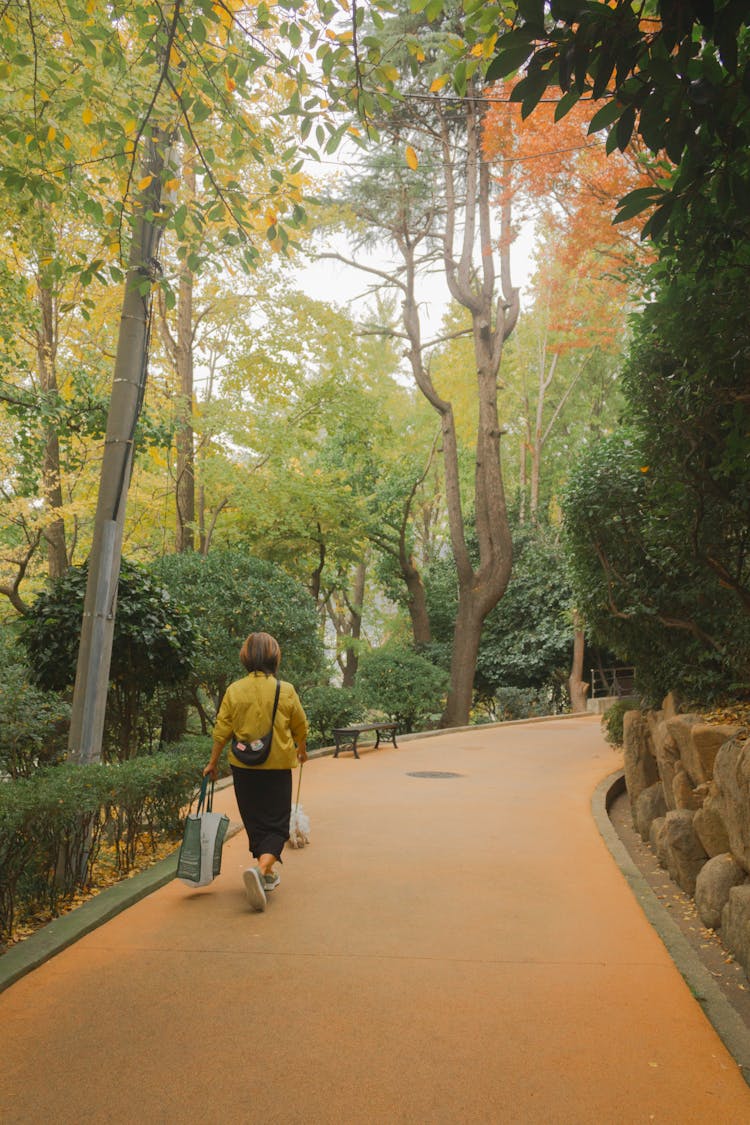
{"x":434,"y":773}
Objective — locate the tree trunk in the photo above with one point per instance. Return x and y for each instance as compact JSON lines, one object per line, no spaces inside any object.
{"x":185,"y":440}
{"x":351,"y":662}
{"x":522,"y":481}
{"x":417,"y":605}
{"x":493,"y":319}
{"x":577,"y":686}
{"x":54,"y":532}
{"x":466,"y":637}
{"x":128,"y":384}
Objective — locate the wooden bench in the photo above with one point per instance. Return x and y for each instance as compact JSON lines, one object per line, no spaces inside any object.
{"x":351,"y":734}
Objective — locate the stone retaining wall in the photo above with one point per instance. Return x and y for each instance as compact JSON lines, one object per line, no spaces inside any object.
{"x":689,"y":787}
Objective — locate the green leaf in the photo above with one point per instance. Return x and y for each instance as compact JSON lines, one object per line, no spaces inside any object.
{"x":507,"y":62}
{"x":605,"y":116}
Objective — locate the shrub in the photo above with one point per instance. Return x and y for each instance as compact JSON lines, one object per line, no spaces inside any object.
{"x":230,"y":594}
{"x":639,"y":583}
{"x":52,"y":825}
{"x":33,"y":722}
{"x":328,"y":707}
{"x":402,"y":684}
{"x":613,"y":720}
{"x":153,"y":645}
{"x":510,"y":703}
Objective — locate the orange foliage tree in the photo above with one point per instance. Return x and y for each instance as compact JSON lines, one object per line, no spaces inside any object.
{"x":562,"y":179}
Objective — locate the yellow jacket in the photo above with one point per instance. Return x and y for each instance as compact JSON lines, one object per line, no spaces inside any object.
{"x":246,"y":710}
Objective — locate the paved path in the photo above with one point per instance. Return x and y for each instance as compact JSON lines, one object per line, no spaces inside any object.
{"x":455,"y":951}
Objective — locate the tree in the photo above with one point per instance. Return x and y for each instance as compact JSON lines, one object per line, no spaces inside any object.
{"x":167,"y":63}
{"x":526,"y":639}
{"x":428,"y":196}
{"x":675,"y":75}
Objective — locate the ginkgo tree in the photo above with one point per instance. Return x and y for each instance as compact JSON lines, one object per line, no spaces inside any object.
{"x":139,"y":77}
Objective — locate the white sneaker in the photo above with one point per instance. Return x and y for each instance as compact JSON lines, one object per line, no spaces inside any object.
{"x":256,"y":895}
{"x":271,"y":881}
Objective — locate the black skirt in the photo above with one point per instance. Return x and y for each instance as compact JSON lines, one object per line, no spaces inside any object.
{"x":264,"y":798}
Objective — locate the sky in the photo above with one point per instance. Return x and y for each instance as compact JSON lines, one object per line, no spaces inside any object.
{"x":329,"y":280}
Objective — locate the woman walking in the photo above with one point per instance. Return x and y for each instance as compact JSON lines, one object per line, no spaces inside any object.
{"x":263,"y":792}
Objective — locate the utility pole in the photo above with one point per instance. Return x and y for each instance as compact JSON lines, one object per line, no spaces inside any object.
{"x":128,"y":387}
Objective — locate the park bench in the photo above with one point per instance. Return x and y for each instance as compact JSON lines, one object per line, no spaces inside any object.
{"x":346,"y":737}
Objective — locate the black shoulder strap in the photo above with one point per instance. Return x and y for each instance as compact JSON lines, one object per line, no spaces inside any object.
{"x":275,"y":703}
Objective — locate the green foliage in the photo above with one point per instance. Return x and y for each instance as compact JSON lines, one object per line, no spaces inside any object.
{"x":52,"y":825}
{"x":327,"y":707}
{"x":33,"y":722}
{"x":613,"y":720}
{"x":638,"y":581}
{"x":399,"y":682}
{"x":526,"y":640}
{"x":153,"y":647}
{"x":195,"y":68}
{"x":509,"y":703}
{"x":229,"y":594}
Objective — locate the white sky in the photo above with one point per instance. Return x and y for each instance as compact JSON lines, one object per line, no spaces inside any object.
{"x":330,"y":280}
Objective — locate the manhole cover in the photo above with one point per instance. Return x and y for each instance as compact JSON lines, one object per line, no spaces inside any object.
{"x":434,"y":773}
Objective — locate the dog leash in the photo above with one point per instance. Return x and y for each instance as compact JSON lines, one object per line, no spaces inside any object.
{"x":299,"y":786}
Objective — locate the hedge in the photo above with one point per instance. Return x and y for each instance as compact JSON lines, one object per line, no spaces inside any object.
{"x":52,"y":824}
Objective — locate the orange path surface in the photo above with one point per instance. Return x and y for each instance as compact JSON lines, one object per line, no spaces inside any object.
{"x":446,"y":951}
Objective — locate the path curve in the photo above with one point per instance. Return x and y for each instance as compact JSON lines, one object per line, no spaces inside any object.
{"x":449,"y":950}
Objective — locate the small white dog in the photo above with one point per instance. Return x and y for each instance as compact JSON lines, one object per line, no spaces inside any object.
{"x":299,"y":828}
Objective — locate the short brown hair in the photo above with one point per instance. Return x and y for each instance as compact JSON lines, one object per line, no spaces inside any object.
{"x":261,"y":653}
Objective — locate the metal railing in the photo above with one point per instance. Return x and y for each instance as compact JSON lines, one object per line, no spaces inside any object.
{"x":611,"y":681}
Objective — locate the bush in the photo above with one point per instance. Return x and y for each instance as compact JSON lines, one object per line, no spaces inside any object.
{"x":402,"y":684}
{"x":52,"y":825}
{"x":327,"y":707}
{"x":613,"y":720}
{"x":33,"y":722}
{"x":640,"y":585}
{"x":229,"y":594}
{"x":510,"y":703}
{"x":153,"y":646}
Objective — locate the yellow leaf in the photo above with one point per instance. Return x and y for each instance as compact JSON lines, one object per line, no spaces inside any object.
{"x":224,"y":16}
{"x":130,"y":126}
{"x":419,"y":55}
{"x":390,"y":73}
{"x":411,"y":158}
{"x":67,"y":39}
{"x":438,"y":83}
{"x":143,"y":184}
{"x":172,"y":185}
{"x":51,"y":134}
{"x":66,"y":142}
{"x":489,"y":45}
{"x":87,"y":116}
{"x":354,"y":131}
{"x":477,"y":50}
{"x":230,"y":83}
{"x":174,"y":56}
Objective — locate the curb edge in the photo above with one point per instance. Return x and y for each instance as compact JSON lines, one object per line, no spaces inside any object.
{"x":727,"y":1023}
